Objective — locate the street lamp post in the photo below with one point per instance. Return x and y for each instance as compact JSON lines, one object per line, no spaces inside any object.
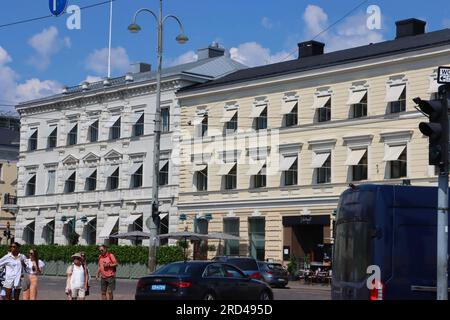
{"x":181,"y":38}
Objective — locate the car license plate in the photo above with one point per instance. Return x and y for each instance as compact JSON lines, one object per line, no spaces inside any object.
{"x":281,"y":280}
{"x":158,"y":287}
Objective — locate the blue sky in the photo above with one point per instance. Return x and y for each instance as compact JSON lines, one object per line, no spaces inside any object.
{"x":38,"y":57}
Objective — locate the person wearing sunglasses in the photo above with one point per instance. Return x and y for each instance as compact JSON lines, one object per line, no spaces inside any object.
{"x":13,"y":262}
{"x":34,"y":268}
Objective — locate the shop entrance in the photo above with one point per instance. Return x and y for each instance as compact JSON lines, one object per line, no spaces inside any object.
{"x":307,"y":238}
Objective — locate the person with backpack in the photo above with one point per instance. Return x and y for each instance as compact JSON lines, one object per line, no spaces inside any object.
{"x":107,"y":264}
{"x":77,"y":279}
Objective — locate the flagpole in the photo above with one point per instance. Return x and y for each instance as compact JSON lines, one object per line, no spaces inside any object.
{"x":110,"y":37}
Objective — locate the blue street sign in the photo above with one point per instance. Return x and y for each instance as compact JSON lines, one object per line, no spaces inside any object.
{"x":57,"y":7}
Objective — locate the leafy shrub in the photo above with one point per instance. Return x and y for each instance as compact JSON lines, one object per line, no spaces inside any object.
{"x":168,"y":254}
{"x":124,"y":254}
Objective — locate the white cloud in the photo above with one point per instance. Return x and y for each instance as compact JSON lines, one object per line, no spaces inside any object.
{"x":352,"y":32}
{"x":253,"y":54}
{"x":35,"y":88}
{"x":12,"y":91}
{"x":46,"y":44}
{"x":266,"y":23}
{"x":92,"y":79}
{"x":97,"y":61}
{"x":187,"y":57}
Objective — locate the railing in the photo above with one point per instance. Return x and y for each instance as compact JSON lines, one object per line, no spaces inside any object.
{"x":9,"y":199}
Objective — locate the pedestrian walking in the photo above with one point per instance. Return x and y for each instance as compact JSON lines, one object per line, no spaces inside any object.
{"x":76,"y":284}
{"x":13,"y":262}
{"x":33,"y":268}
{"x":85,"y":265}
{"x":107,"y":264}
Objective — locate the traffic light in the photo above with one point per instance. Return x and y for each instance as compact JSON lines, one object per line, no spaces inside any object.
{"x":436,"y":130}
{"x":155,"y":210}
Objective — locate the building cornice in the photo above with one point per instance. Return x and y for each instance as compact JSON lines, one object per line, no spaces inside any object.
{"x":330,"y":71}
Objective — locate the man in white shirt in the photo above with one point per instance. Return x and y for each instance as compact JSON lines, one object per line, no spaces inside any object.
{"x":13,"y":263}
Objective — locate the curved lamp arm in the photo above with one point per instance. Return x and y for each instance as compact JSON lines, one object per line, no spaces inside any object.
{"x":176,"y":19}
{"x":145,"y":10}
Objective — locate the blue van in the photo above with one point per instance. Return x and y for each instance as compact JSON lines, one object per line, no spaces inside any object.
{"x":392,"y":227}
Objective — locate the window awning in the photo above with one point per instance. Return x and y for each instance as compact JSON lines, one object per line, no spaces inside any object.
{"x":320,"y":102}
{"x":226,"y":168}
{"x":31,"y":132}
{"x":90,"y":219}
{"x":27,"y":223}
{"x":88,"y":172}
{"x":198,"y":119}
{"x":257,"y":110}
{"x":319,"y":159}
{"x":133,"y":218}
{"x":162,"y":163}
{"x":135,"y":167}
{"x":228,"y":115}
{"x":71,"y":126}
{"x":394,"y":153}
{"x":356,"y":97}
{"x":256,"y":168}
{"x":68,"y":220}
{"x":288,"y":106}
{"x":434,"y":86}
{"x":108,"y":227}
{"x":163,"y":215}
{"x":287,"y":163}
{"x":50,"y":130}
{"x":136,"y":116}
{"x":394,"y":93}
{"x":29,"y":176}
{"x":91,"y":122}
{"x":69,"y":173}
{"x":111,"y":170}
{"x":112,"y":121}
{"x":199,"y":167}
{"x":355,"y":157}
{"x":48,"y":221}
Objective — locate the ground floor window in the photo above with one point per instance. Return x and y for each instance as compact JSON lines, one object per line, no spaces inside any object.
{"x":231,"y":226}
{"x":28,"y":233}
{"x":49,"y":232}
{"x":257,"y":237}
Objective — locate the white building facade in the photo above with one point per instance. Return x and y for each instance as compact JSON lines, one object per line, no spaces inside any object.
{"x":85,"y":164}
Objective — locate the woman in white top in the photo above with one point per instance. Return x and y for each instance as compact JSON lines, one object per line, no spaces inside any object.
{"x":77,"y":279}
{"x":34,"y":267}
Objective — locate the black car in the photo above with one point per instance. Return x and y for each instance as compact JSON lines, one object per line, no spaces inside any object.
{"x":274,"y":274}
{"x":247,"y":264}
{"x":201,"y":280}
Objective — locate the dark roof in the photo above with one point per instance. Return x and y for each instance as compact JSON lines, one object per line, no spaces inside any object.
{"x":387,"y":48}
{"x":9,"y":137}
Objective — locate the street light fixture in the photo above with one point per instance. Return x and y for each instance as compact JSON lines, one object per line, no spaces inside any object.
{"x":181,"y":38}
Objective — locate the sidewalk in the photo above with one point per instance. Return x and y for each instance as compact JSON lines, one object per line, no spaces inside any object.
{"x":302,"y":285}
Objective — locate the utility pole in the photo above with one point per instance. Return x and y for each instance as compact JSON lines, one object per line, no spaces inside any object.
{"x":153,"y":222}
{"x":438,"y":132}
{"x":442,"y":218}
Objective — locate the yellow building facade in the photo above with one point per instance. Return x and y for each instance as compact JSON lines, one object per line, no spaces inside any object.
{"x":265,"y":153}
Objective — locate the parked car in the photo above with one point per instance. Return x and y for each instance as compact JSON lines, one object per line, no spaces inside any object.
{"x":247,"y":264}
{"x":274,"y":274}
{"x":201,"y":280}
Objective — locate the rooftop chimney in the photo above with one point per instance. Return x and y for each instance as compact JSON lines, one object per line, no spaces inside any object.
{"x":212,"y":51}
{"x":410,"y":27}
{"x":310,"y":48}
{"x":140,"y":67}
